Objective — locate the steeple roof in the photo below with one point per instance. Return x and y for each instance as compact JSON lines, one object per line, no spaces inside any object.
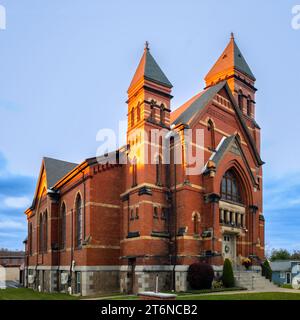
{"x":149,"y":70}
{"x":230,"y":59}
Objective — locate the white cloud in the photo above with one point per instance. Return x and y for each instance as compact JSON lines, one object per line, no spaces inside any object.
{"x":12,"y":224}
{"x":17,"y":202}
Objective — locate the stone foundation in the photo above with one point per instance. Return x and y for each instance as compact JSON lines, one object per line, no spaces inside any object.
{"x":83,"y":280}
{"x":88,"y":280}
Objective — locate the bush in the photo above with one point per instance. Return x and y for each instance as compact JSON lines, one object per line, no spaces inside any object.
{"x":266,"y":270}
{"x":217,"y":284}
{"x":286,"y":286}
{"x":200,"y":276}
{"x":228,"y":278}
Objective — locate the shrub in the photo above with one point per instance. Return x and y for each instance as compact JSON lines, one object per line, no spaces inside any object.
{"x":228,"y":277}
{"x":266,"y":270}
{"x":217,"y":284}
{"x":200,"y":276}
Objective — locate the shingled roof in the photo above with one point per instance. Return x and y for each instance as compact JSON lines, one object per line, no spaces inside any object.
{"x":187,"y":111}
{"x":56,"y":169}
{"x":230,"y":58}
{"x":149,"y":70}
{"x":222,"y":149}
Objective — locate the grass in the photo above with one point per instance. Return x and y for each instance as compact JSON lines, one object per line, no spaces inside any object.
{"x":245,"y":296}
{"x":286,"y":286}
{"x":29,"y":294}
{"x":211,"y":290}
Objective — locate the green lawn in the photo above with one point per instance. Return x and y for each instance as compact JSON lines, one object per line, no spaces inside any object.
{"x":245,"y":296}
{"x":237,"y":296}
{"x":29,"y":294}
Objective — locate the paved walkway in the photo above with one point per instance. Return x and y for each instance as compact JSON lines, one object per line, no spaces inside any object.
{"x":211,"y":293}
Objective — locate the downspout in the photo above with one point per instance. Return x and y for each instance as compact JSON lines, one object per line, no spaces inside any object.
{"x":175,"y":228}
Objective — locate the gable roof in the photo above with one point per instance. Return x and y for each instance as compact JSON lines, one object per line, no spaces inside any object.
{"x":149,"y":70}
{"x":56,"y":169}
{"x":231,"y":58}
{"x":200,"y":101}
{"x":281,"y":265}
{"x":226,"y":145}
{"x":187,"y":111}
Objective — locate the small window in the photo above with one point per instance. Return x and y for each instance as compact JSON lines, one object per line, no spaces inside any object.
{"x":132,"y":117}
{"x":155,"y":213}
{"x":162,"y":114}
{"x":136,"y":212}
{"x":131,"y":214}
{"x":138,"y":113}
{"x":240,"y":101}
{"x":164,"y":213}
{"x":249,"y":107}
{"x":152,"y":113}
{"x":211,"y":129}
{"x":196,"y":224}
{"x":134,"y":172}
{"x":282,"y":275}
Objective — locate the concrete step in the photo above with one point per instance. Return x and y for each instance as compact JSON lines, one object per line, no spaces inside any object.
{"x":253,"y":281}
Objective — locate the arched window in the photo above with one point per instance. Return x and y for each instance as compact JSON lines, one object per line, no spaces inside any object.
{"x":45,"y":231}
{"x":240,"y":100}
{"x":152,"y":113}
{"x":196,"y":224}
{"x":230,"y":188}
{"x":134,"y":172}
{"x":155,"y":213}
{"x":162,"y":114}
{"x":138,"y":113}
{"x":41,"y":237}
{"x":131,"y":214}
{"x":249,"y":106}
{"x":158,"y":171}
{"x":78,"y":221}
{"x":30,"y":238}
{"x":211,"y":129}
{"x":132,"y":117}
{"x":63,"y":220}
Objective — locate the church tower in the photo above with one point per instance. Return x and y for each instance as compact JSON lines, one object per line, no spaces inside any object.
{"x":232,"y":66}
{"x":145,"y":202}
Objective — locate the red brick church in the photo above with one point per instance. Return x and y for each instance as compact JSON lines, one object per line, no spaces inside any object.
{"x":104,"y":225}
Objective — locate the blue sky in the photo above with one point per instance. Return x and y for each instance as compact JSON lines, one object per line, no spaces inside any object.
{"x":65,"y":66}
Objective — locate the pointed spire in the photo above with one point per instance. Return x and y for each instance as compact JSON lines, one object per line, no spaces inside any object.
{"x":148,"y":69}
{"x":230,"y":60}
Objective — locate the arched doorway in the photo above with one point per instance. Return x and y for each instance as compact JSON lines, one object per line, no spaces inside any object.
{"x":232,"y":208}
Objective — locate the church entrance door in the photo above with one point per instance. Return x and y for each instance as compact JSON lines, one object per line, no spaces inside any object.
{"x":228,"y":247}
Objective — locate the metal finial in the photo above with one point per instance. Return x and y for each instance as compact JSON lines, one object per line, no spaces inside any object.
{"x":232,"y":36}
{"x":147,"y":45}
